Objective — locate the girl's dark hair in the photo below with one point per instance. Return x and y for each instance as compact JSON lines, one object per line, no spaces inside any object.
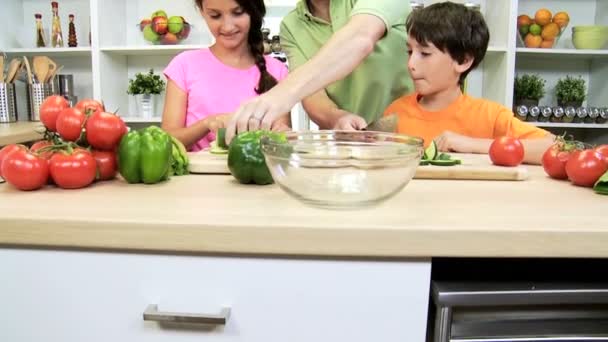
{"x":256,"y":11}
{"x":452,"y":28}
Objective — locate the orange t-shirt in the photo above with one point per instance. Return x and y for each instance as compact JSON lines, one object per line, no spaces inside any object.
{"x":476,"y":118}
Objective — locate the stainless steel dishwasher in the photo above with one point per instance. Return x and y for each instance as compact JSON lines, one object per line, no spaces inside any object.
{"x":522,"y":312}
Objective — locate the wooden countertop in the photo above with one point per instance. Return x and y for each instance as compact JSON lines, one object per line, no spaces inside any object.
{"x":539,"y":217}
{"x":19,"y":132}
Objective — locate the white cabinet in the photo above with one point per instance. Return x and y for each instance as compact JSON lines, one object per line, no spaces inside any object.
{"x":93,"y":296}
{"x":118,"y":51}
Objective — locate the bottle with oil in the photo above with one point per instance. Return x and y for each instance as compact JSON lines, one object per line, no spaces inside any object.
{"x":56,"y":33}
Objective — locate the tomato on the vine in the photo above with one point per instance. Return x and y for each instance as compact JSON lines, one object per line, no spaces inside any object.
{"x":70,"y":123}
{"x":104,"y":130}
{"x":585,"y":167}
{"x":73,"y":170}
{"x":603,"y":150}
{"x":6,"y":150}
{"x":25,"y":170}
{"x":89,"y":106}
{"x":506,"y":151}
{"x":38,"y":145}
{"x":106,"y":164}
{"x":50,"y":109}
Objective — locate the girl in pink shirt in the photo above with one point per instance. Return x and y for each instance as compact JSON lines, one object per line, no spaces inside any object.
{"x":205,"y":86}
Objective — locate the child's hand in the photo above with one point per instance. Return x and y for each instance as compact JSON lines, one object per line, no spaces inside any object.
{"x":350,"y":122}
{"x":216,"y":122}
{"x":453,"y":142}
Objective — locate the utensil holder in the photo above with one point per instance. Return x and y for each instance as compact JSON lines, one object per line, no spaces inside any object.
{"x":36,"y":93}
{"x":8,"y":103}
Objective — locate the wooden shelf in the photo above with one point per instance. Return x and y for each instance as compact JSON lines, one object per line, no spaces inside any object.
{"x":141,"y":120}
{"x":150,"y":50}
{"x":562,"y":53}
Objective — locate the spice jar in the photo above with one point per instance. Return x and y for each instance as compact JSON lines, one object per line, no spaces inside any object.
{"x":533,"y":114}
{"x":40,"y":33}
{"x":569,"y":114}
{"x":415,"y":5}
{"x":581,"y":115}
{"x":593,"y":114}
{"x":275,"y":45}
{"x":266,"y":40}
{"x":472,"y":5}
{"x":545,"y":114}
{"x":521,"y":112}
{"x":603,"y":118}
{"x":558,"y":114}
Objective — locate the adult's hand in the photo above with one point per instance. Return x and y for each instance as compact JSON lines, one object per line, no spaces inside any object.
{"x":258,"y":113}
{"x":350,"y":122}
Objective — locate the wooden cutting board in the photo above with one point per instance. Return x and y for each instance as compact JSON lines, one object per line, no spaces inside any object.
{"x":473,"y":167}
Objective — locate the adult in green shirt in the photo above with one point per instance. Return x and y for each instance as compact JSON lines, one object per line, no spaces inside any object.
{"x":347,"y":65}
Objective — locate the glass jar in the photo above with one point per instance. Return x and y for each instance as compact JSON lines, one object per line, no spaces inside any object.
{"x":533,"y":114}
{"x":581,"y":115}
{"x":545,"y":114}
{"x":473,"y":6}
{"x":415,"y":5}
{"x":266,"y":40}
{"x":275,"y":45}
{"x":558,"y":114}
{"x":521,"y":112}
{"x":569,"y":114}
{"x":603,"y":118}
{"x":594,"y":113}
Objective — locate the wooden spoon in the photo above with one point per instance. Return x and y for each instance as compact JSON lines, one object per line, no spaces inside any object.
{"x":41,"y":68}
{"x":29,"y":70}
{"x":53,"y":73}
{"x":1,"y":68}
{"x":13,"y":68}
{"x":52,"y":69}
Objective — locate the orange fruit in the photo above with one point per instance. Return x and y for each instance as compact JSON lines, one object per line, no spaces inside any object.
{"x":562,"y":19}
{"x":550,"y":31}
{"x":543,"y":16}
{"x":533,"y":41}
{"x":524,"y":20}
{"x":535,"y":29}
{"x":547,"y":44}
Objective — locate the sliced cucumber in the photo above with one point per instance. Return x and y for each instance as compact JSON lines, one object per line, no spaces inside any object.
{"x":215,"y":149}
{"x":444,"y":156}
{"x":430,"y":152}
{"x":424,"y":162}
{"x":221,"y":138}
{"x":441,"y":162}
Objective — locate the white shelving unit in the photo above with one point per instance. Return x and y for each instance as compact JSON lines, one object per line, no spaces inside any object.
{"x":118,"y":50}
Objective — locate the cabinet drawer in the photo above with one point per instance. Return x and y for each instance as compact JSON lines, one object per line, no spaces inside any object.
{"x":90,"y":296}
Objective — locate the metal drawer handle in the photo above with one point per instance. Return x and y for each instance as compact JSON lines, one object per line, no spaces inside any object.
{"x":152,"y":314}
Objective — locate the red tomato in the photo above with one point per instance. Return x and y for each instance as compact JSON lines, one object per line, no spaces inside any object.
{"x":50,"y":109}
{"x":42,"y":144}
{"x":73,"y":171}
{"x":603,"y":150}
{"x":69,"y":123}
{"x":506,"y":151}
{"x":90,"y":106}
{"x":6,"y":150}
{"x":104,"y":130}
{"x":584,"y":168}
{"x":106,"y":164}
{"x":25,"y":170}
{"x":554,"y":161}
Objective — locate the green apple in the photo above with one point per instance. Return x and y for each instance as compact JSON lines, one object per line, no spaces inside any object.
{"x":150,"y":35}
{"x":176,"y":24}
{"x":159,"y":13}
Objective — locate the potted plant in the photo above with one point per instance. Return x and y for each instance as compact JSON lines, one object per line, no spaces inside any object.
{"x":146,"y":88}
{"x":570,"y":91}
{"x":528,"y":90}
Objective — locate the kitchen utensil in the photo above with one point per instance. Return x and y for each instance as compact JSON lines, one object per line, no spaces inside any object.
{"x":41,"y":68}
{"x":52,"y":69}
{"x":53,"y":73}
{"x":473,"y":167}
{"x":8,"y":103}
{"x":1,"y":68}
{"x":30,"y":80}
{"x":13,"y":68}
{"x":36,"y":93}
{"x":384,"y":124}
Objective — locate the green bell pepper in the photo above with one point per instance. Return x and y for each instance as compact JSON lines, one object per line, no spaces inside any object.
{"x":145,"y":156}
{"x":246,"y":160}
{"x":601,"y":186}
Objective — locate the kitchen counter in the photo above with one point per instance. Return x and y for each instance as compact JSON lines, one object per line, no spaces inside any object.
{"x":19,"y":132}
{"x":539,"y":217}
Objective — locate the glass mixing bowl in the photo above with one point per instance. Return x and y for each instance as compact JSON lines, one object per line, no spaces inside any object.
{"x":343,"y":169}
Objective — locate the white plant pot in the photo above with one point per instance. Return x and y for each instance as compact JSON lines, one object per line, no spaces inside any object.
{"x":146,"y":105}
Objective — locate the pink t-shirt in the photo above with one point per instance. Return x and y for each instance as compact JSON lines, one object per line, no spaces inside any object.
{"x":213,"y":87}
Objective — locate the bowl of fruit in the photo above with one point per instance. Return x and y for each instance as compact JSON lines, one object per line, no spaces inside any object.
{"x":543,"y":30}
{"x":164,"y":30}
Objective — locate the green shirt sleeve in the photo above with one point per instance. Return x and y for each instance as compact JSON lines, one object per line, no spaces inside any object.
{"x":295,"y":56}
{"x":392,"y":12}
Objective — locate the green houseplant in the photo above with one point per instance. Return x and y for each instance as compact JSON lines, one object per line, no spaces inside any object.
{"x":571,"y":91}
{"x":528,"y":89}
{"x":146,"y":88}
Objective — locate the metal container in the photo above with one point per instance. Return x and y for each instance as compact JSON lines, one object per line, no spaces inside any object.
{"x":533,"y":114}
{"x":581,"y":115}
{"x":603,"y":116}
{"x":570,"y":113}
{"x":36,"y":93}
{"x":8,"y":103}
{"x":545,"y":114}
{"x":415,"y":5}
{"x":594,"y":113}
{"x":558,"y":114}
{"x":521,"y":112}
{"x":63,"y":85}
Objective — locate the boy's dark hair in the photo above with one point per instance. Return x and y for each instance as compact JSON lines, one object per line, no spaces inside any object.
{"x":452,"y":28}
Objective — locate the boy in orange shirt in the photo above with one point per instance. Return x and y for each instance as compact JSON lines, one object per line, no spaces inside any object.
{"x":445,"y":42}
